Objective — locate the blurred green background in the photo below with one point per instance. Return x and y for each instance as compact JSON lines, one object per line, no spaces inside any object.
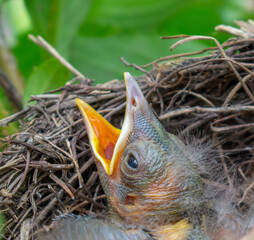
{"x":93,"y":34}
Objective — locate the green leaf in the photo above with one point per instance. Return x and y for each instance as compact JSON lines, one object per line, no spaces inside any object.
{"x":18,"y":17}
{"x":5,"y":110}
{"x":48,"y":76}
{"x":28,"y":55}
{"x":93,"y":35}
{"x":141,"y":15}
{"x":58,"y":20}
{"x":2,"y":221}
{"x":195,"y":17}
{"x":99,"y":58}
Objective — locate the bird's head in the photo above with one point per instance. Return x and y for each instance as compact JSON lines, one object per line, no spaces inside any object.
{"x":146,"y":173}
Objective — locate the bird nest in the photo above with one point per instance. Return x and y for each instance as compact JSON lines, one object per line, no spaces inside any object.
{"x":47,"y":168}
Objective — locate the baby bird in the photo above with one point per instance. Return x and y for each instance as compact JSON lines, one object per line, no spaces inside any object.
{"x":152,"y":182}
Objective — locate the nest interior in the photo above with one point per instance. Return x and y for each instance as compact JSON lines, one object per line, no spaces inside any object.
{"x":47,"y":168}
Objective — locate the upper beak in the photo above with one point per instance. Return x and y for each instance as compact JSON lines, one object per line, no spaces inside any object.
{"x":108,"y":142}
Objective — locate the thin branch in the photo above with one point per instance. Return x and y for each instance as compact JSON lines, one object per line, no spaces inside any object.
{"x":192,"y":38}
{"x":205,"y":110}
{"x":43,"y":43}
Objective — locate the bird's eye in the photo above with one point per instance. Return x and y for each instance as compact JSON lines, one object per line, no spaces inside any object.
{"x":132,"y":162}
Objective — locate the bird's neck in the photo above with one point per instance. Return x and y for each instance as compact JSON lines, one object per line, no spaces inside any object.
{"x":182,"y":230}
{"x":177,"y":231}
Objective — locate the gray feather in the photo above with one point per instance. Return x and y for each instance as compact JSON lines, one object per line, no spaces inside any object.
{"x":86,"y":228}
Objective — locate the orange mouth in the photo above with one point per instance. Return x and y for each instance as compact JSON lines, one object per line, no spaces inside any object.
{"x":103,"y":136}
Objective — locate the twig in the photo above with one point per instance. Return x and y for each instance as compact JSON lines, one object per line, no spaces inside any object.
{"x":30,"y":146}
{"x":191,"y":38}
{"x":62,"y":184}
{"x":235,"y":89}
{"x":10,"y":91}
{"x":135,"y":66}
{"x":202,"y":109}
{"x":246,"y":192}
{"x":14,"y":117}
{"x":43,"y":43}
{"x":45,"y":166}
{"x":24,"y":174}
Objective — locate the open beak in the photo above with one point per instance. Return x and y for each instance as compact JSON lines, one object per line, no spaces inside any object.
{"x":108,"y":142}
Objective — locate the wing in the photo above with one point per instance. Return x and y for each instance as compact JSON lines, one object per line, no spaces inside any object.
{"x":86,"y":228}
